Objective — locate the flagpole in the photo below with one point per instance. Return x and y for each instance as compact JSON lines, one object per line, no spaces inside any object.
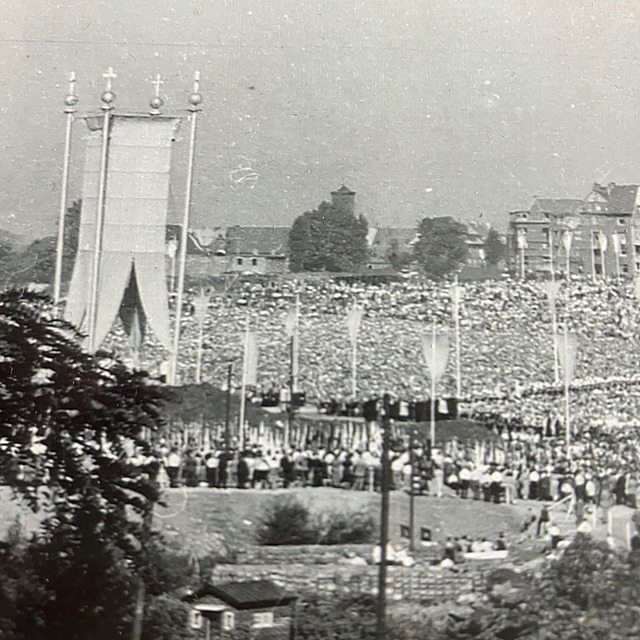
{"x":616,"y":250}
{"x":593,"y":258}
{"x":107,"y":98}
{"x":70,"y":101}
{"x":243,"y":386}
{"x":295,"y":337}
{"x":199,"y":353}
{"x":567,"y":415}
{"x":227,"y":421}
{"x":354,"y":368}
{"x":195,"y":99}
{"x":603,"y":251}
{"x":552,"y":293}
{"x":457,"y":329}
{"x":433,"y":387}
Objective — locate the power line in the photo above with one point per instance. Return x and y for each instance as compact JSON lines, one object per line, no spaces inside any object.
{"x":331,"y":44}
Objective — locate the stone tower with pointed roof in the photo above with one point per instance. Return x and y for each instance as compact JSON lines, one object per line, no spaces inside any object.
{"x":344,"y":199}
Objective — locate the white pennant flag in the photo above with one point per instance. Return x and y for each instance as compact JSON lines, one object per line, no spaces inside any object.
{"x":521,"y":239}
{"x":251,"y":359}
{"x":616,"y":243}
{"x":455,"y":294}
{"x":551,"y":289}
{"x":602,"y":241}
{"x":200,"y":307}
{"x":436,"y":360}
{"x":354,"y":319}
{"x":567,"y":239}
{"x":291,"y":322}
{"x":567,"y":354}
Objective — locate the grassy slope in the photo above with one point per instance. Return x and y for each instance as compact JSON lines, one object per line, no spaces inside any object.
{"x":193,"y":517}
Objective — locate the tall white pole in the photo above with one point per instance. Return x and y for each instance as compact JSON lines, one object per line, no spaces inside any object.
{"x":593,"y":258}
{"x":457,"y":291}
{"x":354,"y":367}
{"x":243,"y":385}
{"x":295,"y":347}
{"x":107,"y":98}
{"x":554,"y":329}
{"x":567,"y":413}
{"x":554,"y":318}
{"x":198,"y":375}
{"x":70,"y":101}
{"x":195,"y":99}
{"x":433,"y":387}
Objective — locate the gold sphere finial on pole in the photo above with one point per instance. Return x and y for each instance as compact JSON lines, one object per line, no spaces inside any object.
{"x":108,"y":96}
{"x":195,"y":99}
{"x":156,"y":102}
{"x":71,"y":99}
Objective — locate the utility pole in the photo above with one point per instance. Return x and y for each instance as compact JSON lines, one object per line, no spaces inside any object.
{"x":381,"y":627}
{"x":227,"y":421}
{"x":412,"y":495}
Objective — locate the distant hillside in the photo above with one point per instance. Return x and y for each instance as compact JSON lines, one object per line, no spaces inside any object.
{"x":13,"y":240}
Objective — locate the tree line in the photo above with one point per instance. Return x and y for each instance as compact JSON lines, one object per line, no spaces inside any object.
{"x":333,"y":240}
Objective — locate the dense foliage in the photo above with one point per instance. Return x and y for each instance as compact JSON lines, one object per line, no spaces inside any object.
{"x":290,"y":521}
{"x":441,"y":248}
{"x":589,"y":593}
{"x":328,"y":239}
{"x":495,"y":249}
{"x":68,"y":421}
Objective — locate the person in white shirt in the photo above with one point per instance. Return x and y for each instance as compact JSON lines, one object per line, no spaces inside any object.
{"x":465,"y":481}
{"x":212,"y":464}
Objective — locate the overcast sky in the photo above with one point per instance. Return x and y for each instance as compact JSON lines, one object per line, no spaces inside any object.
{"x":467,"y":107}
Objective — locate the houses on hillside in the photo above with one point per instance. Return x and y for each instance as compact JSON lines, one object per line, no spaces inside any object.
{"x":263,"y":250}
{"x":598,"y":235}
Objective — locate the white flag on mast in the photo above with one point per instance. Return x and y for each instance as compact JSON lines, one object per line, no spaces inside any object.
{"x":567,"y":354}
{"x":354,"y":319}
{"x":436,"y":359}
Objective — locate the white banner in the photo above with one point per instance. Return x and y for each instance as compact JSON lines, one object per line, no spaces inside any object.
{"x":354,"y":319}
{"x":436,"y":354}
{"x":567,"y":354}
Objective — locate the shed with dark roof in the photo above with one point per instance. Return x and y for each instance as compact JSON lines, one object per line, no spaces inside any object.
{"x":256,"y":607}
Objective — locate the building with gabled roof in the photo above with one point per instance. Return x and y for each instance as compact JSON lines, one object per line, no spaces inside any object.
{"x":253,"y":608}
{"x":595,"y":235}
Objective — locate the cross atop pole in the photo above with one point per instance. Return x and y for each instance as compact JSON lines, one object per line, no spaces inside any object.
{"x":72,"y":83}
{"x":157,"y":83}
{"x":109,"y":76}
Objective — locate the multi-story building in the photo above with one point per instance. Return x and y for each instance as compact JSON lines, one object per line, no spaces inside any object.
{"x":594,"y":236}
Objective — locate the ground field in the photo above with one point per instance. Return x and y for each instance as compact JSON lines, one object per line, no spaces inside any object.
{"x":206,"y":521}
{"x":196,"y":517}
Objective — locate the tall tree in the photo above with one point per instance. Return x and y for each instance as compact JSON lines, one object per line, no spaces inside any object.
{"x":441,"y":248}
{"x":494,"y":249}
{"x":328,"y":239}
{"x":69,"y":422}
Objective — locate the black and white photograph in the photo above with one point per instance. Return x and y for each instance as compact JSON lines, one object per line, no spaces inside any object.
{"x":319,"y":320}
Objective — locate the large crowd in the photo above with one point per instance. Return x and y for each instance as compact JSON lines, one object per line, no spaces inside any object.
{"x":506,"y":342}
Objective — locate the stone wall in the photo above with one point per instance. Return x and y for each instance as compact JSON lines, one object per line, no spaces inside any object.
{"x":321,"y":554}
{"x":418,"y":583}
